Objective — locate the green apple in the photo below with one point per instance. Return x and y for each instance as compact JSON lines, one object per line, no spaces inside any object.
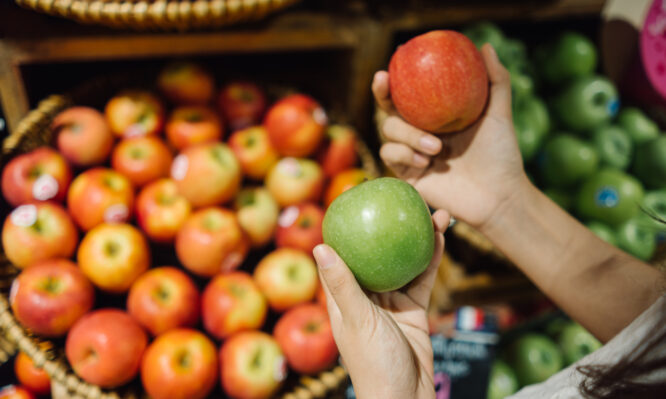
{"x":602,"y":231}
{"x":570,"y":56}
{"x":566,"y":160}
{"x":586,"y":102}
{"x":528,"y":135}
{"x":576,"y":343}
{"x":522,"y":84}
{"x":610,"y":196}
{"x":654,"y":212}
{"x":534,"y":357}
{"x":554,"y":327}
{"x":636,"y":238}
{"x":613,"y":145}
{"x":512,"y":51}
{"x":535,"y":109}
{"x":502,"y":381}
{"x":484,"y":32}
{"x":382,"y":229}
{"x":638,"y":125}
{"x":650,"y":162}
{"x":560,"y":197}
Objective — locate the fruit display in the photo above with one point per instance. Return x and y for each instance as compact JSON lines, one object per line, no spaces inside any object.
{"x":162,"y":241}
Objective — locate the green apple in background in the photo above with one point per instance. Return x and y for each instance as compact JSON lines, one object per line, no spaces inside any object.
{"x":535,"y":109}
{"x":502,"y":381}
{"x":610,"y":196}
{"x":586,"y":103}
{"x":650,"y":162}
{"x":528,"y":135}
{"x":653,"y":213}
{"x":636,"y":238}
{"x":554,"y":327}
{"x":534,"y":358}
{"x":566,"y":160}
{"x":560,"y":197}
{"x":637,"y":124}
{"x":484,"y":32}
{"x":602,"y":231}
{"x":382,"y":229}
{"x":613,"y":145}
{"x":568,"y":57}
{"x":522,"y":83}
{"x":576,"y":342}
{"x":512,"y":51}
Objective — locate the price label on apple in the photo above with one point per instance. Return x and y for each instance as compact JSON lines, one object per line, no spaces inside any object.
{"x":319,"y":115}
{"x":135,"y":130}
{"x":116,"y":213}
{"x":607,"y":197}
{"x":290,"y":167}
{"x":288,"y":216}
{"x":24,"y":215}
{"x":179,"y":167}
{"x":231,"y":262}
{"x":45,"y":188}
{"x":280,"y":369}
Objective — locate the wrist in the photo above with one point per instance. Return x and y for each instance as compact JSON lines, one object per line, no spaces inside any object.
{"x":508,"y":209}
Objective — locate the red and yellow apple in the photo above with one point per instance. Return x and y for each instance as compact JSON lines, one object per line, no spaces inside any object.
{"x":299,"y":227}
{"x":15,"y":392}
{"x":295,"y":180}
{"x":296,"y":125}
{"x":340,"y":150}
{"x":191,"y":125}
{"x":257,"y":214}
{"x":342,"y":182}
{"x":186,"y":83}
{"x":254,"y":151}
{"x":83,"y":136}
{"x":35,"y":379}
{"x":161,"y":211}
{"x":242,"y":104}
{"x":142,"y":159}
{"x":135,"y":113}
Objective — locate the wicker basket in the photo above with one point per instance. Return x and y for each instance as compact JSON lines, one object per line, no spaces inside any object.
{"x":33,"y":131}
{"x":159,"y":14}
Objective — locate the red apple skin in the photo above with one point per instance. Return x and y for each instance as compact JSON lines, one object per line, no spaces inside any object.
{"x":254,"y":151}
{"x":305,"y":336}
{"x":340,"y":152}
{"x":242,"y":104}
{"x":142,"y":159}
{"x":83,"y":136}
{"x":30,"y":376}
{"x":37,"y":232}
{"x":296,"y":125}
{"x":191,"y":125}
{"x":211,"y":242}
{"x":295,"y":180}
{"x":207,"y":174}
{"x":163,"y":299}
{"x":105,"y":347}
{"x":113,"y":256}
{"x":232,"y":303}
{"x":100,"y":195}
{"x":342,"y":182}
{"x":39,"y":175}
{"x":320,"y":296}
{"x":438,"y":81}
{"x":135,"y":113}
{"x":287,"y":277}
{"x":180,"y":364}
{"x":239,"y":379}
{"x":161,"y":211}
{"x":50,"y":296}
{"x":299,"y":227}
{"x":186,"y":83}
{"x":257,"y":213}
{"x":15,"y":392}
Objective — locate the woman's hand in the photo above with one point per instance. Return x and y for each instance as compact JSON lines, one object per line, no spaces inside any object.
{"x":383,"y":337}
{"x":470,"y":173}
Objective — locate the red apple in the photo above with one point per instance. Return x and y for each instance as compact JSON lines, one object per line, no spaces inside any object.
{"x":113,"y":256}
{"x":294,"y":180}
{"x":305,"y":336}
{"x":242,"y":104}
{"x":320,"y":295}
{"x":135,"y":113}
{"x":211,"y":242}
{"x":287,"y":277}
{"x":299,"y":227}
{"x":254,"y":151}
{"x":100,"y":195}
{"x":296,"y":125}
{"x":207,"y":174}
{"x":438,"y":81}
{"x":161,"y":211}
{"x":105,"y":347}
{"x":186,"y":83}
{"x":257,"y":214}
{"x":162,"y":299}
{"x":142,"y":159}
{"x":180,"y":364}
{"x":50,"y":296}
{"x":232,"y":303}
{"x":252,"y":366}
{"x":36,"y":232}
{"x":83,"y":136}
{"x":192,"y":125}
{"x":38,"y":175}
{"x":340,"y":151}
{"x":342,"y":182}
{"x":30,"y":376}
{"x":15,"y":392}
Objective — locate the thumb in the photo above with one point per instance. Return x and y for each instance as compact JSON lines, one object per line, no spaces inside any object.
{"x":500,"y":83}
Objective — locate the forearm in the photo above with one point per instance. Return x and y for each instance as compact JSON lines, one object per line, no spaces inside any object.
{"x":595,"y":283}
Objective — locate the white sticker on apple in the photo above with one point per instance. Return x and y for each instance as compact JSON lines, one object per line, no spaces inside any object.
{"x":45,"y":188}
{"x":24,"y":215}
{"x":319,"y":115}
{"x":116,"y":213}
{"x":290,"y":166}
{"x":13,"y":291}
{"x":231,"y":261}
{"x":179,"y":167}
{"x":288,"y":216}
{"x":280,"y":370}
{"x":135,"y":130}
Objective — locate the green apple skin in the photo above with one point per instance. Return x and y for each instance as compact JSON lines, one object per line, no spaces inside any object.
{"x":610,"y":196}
{"x":534,"y":358}
{"x":614,"y":146}
{"x":485,"y":32}
{"x":502,"y":381}
{"x":567,"y":160}
{"x":586,"y":103}
{"x":570,"y":56}
{"x":534,"y":109}
{"x":528,"y":136}
{"x":639,"y":127}
{"x":383,"y":230}
{"x":576,"y":342}
{"x":602,"y":231}
{"x":653,"y":213}
{"x":512,"y":51}
{"x":650,"y":162}
{"x":560,"y":197}
{"x":637,"y":239}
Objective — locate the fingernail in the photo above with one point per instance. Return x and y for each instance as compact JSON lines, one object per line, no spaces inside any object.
{"x":324,"y":256}
{"x":429,"y":144}
{"x":420,"y":161}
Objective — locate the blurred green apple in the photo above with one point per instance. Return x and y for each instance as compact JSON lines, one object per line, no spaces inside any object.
{"x":650,"y":162}
{"x":610,"y":196}
{"x":586,"y":103}
{"x":639,"y":127}
{"x":534,"y":358}
{"x":502,"y":381}
{"x":567,"y":160}
{"x":570,"y":56}
{"x":636,"y":238}
{"x":484,"y":32}
{"x":613,"y":145}
{"x":576,"y":343}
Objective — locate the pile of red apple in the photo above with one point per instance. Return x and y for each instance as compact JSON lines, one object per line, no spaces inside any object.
{"x":202,"y":185}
